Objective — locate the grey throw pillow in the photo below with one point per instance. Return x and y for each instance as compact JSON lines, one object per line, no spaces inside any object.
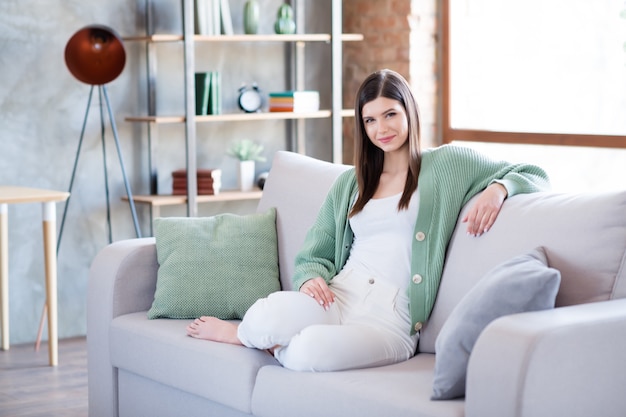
{"x":524,"y":283}
{"x":214,"y":266}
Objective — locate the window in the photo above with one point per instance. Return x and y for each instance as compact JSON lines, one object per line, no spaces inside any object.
{"x":537,"y":71}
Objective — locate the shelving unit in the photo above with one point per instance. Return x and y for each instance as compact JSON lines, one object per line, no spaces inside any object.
{"x":190,"y":119}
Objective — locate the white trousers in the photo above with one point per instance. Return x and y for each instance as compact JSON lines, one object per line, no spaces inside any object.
{"x":367,"y":325}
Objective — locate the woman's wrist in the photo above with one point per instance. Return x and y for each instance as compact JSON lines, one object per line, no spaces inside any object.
{"x":502,"y":189}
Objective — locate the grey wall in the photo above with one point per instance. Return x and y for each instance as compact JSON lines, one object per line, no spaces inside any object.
{"x":41,"y":113}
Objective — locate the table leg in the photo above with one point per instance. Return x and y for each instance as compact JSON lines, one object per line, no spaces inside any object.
{"x":4,"y":275}
{"x":155,"y":211}
{"x":50,"y":257}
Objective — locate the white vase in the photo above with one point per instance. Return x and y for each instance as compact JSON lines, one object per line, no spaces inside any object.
{"x":246,"y":175}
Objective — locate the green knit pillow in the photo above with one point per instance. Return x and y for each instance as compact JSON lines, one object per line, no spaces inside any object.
{"x":214,"y":266}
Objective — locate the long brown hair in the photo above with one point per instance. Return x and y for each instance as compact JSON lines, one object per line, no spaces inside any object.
{"x":368,"y":158}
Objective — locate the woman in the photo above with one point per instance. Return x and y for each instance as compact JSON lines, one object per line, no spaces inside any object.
{"x":369,"y":269}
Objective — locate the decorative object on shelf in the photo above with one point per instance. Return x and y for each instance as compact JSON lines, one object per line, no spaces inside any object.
{"x":260,"y":181}
{"x":95,"y":55}
{"x":294,"y":101}
{"x":209,"y":181}
{"x":247,"y":152}
{"x":246,"y":175}
{"x":251,"y":17}
{"x":250,"y":98}
{"x":208,"y":93}
{"x":285,"y":25}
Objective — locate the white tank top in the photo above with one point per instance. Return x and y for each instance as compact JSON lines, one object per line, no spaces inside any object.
{"x":382,"y":239}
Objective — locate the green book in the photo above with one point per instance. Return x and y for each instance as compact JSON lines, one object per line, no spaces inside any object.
{"x":282,"y":94}
{"x":215,"y":98}
{"x":203,"y":89}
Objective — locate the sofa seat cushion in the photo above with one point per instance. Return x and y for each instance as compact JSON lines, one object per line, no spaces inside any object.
{"x":398,"y":390}
{"x":160,"y":350}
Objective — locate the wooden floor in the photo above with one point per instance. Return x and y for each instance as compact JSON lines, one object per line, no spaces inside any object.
{"x":31,"y":388}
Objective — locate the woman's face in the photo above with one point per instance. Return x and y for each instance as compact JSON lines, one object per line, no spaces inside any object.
{"x":386,"y":124}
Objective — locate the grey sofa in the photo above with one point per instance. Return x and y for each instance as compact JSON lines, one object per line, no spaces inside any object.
{"x":568,"y":361}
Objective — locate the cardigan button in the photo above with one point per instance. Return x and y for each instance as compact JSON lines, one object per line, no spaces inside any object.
{"x":420,"y":236}
{"x":417,"y":279}
{"x":418,"y":326}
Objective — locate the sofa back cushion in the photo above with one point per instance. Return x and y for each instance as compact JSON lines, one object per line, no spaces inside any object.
{"x":296,"y":186}
{"x":584,"y":236}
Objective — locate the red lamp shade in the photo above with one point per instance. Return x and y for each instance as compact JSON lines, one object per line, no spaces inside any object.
{"x":95,"y":55}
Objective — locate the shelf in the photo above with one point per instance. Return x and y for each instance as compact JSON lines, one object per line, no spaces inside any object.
{"x":156,"y":119}
{"x":240,"y":117}
{"x":173,"y":200}
{"x":310,"y":37}
{"x":154,"y":38}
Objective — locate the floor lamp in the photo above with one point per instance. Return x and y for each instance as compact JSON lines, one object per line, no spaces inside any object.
{"x":95,"y":55}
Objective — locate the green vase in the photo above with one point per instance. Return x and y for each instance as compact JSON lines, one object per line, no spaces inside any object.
{"x":285,"y":25}
{"x":251,"y":17}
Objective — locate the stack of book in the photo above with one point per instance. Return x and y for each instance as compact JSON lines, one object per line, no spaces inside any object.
{"x":294,"y":101}
{"x":209,"y":181}
{"x":208,"y":93}
{"x":212,"y":17}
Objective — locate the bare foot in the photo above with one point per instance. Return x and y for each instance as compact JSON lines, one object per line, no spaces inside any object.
{"x":212,"y":328}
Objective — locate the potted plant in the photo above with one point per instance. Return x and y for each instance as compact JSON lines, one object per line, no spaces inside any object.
{"x":247,"y":152}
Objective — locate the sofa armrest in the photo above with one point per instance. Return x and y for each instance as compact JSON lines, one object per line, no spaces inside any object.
{"x":122,"y":280}
{"x":568,"y":361}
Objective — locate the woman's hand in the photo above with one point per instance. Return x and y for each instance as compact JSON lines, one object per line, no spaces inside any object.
{"x":485,"y":210}
{"x":318,"y":289}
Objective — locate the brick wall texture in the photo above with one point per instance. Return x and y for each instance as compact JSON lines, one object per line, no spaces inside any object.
{"x":400,"y":35}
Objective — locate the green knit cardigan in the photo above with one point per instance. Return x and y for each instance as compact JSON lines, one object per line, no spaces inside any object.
{"x":449,"y":177}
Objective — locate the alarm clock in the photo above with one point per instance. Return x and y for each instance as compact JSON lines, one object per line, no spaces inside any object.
{"x":250,"y":98}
